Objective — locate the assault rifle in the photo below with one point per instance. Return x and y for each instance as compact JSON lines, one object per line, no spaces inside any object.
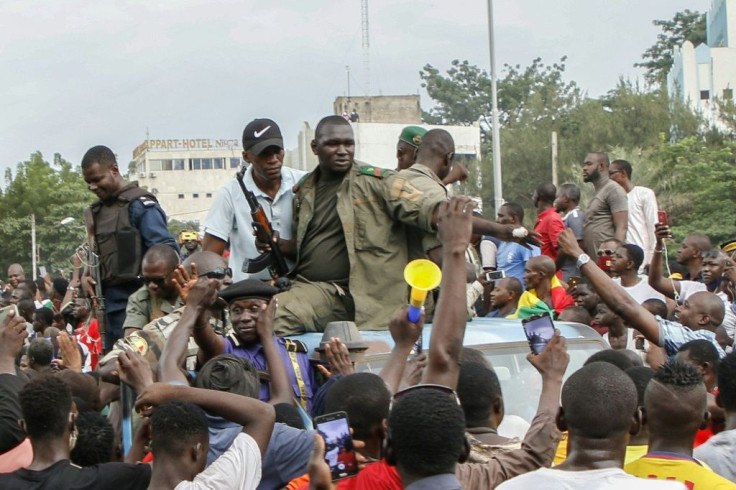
{"x":273,"y":258}
{"x":93,"y":269}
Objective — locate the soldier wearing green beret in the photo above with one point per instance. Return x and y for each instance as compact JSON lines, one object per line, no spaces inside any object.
{"x":406,"y":149}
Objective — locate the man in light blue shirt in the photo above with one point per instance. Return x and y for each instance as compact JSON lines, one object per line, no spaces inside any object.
{"x":511,"y":257}
{"x":229,"y":218}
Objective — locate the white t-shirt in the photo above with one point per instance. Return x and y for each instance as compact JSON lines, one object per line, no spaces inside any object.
{"x":642,"y":218}
{"x":238,"y":468}
{"x":642,"y":291}
{"x":229,"y":218}
{"x":605,"y":479}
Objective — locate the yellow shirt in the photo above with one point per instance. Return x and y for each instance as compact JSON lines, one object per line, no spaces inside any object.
{"x":672,"y":466}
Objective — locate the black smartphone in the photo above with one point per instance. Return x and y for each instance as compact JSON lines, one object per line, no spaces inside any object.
{"x":495,"y":275}
{"x":539,"y":330}
{"x":339,"y":449}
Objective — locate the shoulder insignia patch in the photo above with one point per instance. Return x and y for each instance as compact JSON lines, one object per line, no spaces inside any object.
{"x":298,"y":185}
{"x":295,"y":345}
{"x":138,"y":343}
{"x":147,"y":201}
{"x":373,"y":171}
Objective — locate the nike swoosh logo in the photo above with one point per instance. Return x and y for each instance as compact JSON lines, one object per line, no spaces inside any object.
{"x":258,"y":134}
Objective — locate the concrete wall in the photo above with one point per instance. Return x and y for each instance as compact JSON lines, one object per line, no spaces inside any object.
{"x":401,"y":109}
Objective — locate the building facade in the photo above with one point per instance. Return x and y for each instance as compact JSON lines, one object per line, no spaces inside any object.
{"x":701,"y":75}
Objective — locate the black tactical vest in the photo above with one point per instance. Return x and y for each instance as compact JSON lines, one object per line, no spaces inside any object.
{"x":118,"y":242}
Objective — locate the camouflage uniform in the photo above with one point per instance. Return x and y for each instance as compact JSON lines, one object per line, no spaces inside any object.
{"x":374,"y":205}
{"x":144,"y":307}
{"x":150,"y":340}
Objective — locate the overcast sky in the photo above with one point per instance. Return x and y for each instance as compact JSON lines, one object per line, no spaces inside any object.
{"x":76,"y":73}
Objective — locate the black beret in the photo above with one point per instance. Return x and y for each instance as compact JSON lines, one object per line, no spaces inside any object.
{"x":248,"y":288}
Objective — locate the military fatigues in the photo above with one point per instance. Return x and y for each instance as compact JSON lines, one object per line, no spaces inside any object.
{"x":373,"y":206}
{"x":150,"y":340}
{"x":144,"y":307}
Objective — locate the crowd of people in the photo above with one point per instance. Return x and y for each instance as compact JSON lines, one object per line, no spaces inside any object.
{"x":171,"y":363}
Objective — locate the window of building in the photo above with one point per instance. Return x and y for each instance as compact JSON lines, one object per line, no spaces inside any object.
{"x":154,"y":165}
{"x":142,"y":167}
{"x":218,"y":163}
{"x":181,"y":196}
{"x":178,"y":164}
{"x":195,"y":195}
{"x":235,"y":162}
{"x":704,"y":94}
{"x":727,"y":94}
{"x":209,"y":194}
{"x":195,"y":164}
{"x":206,"y":164}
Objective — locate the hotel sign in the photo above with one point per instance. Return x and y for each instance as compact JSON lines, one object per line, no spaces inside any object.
{"x":186,"y":144}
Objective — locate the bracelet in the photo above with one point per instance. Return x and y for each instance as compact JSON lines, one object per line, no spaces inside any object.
{"x":658,"y":251}
{"x":71,"y":288}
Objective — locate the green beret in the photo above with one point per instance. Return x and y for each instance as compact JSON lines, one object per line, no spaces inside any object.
{"x":412,"y":135}
{"x":248,"y":288}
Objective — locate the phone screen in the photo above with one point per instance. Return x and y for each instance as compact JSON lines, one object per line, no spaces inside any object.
{"x":539,"y":331}
{"x":339,"y":450}
{"x":662,"y":217}
{"x":495,"y":275}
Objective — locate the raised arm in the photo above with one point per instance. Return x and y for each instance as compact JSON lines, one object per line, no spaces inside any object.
{"x":200,"y":297}
{"x":405,"y":335}
{"x":280,"y":383}
{"x":611,"y":293}
{"x":657,"y":280}
{"x":256,"y":417}
{"x":454,"y":225}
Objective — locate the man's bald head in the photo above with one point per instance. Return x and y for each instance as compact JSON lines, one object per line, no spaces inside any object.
{"x":699,"y":241}
{"x":706,"y":303}
{"x":436,"y":143}
{"x":206,"y":262}
{"x":543,"y":264}
{"x":599,"y":157}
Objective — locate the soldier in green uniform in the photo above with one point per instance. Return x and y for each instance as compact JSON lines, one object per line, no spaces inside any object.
{"x":350,"y":246}
{"x":158,"y":296}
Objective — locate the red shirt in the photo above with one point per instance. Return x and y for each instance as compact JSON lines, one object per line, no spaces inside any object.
{"x":549,"y":226}
{"x":90,"y":338}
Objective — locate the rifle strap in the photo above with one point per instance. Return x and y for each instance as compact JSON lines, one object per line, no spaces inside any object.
{"x":291,"y":349}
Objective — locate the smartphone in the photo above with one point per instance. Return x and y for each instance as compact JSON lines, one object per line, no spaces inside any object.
{"x":572,"y":283}
{"x":4,"y":312}
{"x":639,"y":344}
{"x":495,"y":275}
{"x":539,"y":330}
{"x":662,"y":217}
{"x":41,"y":271}
{"x":339,"y":449}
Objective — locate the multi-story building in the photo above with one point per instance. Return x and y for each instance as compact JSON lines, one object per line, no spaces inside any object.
{"x":702,"y":74}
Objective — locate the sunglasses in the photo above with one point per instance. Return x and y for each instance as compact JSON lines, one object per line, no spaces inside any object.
{"x":219,"y":273}
{"x":605,"y":251}
{"x":158,"y":281}
{"x":444,"y":389}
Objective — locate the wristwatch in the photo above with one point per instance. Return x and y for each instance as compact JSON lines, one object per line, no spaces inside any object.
{"x":582,"y":260}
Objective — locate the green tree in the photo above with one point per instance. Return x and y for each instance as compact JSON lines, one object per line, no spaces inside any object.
{"x":51,"y":191}
{"x":685,"y":26}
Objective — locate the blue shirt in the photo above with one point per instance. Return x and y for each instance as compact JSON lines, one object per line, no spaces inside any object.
{"x":512,"y":257}
{"x":286,"y":457}
{"x":254,"y":353}
{"x":672,"y":335}
{"x":151,"y":223}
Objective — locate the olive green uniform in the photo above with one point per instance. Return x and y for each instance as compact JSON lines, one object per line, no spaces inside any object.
{"x":150,"y":340}
{"x":373,"y":206}
{"x":144,"y":306}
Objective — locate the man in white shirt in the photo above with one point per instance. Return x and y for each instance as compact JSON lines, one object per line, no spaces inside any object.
{"x":180,"y":436}
{"x":626,"y":263}
{"x":229,"y":218}
{"x":642,"y":209}
{"x":599,"y":411}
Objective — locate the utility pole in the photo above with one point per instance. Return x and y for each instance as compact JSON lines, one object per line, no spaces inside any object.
{"x":33,"y":244}
{"x":347,"y":72}
{"x":496,"y":130}
{"x":554,"y":158}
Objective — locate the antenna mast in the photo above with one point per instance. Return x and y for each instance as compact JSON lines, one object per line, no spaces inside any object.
{"x":366,"y":45}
